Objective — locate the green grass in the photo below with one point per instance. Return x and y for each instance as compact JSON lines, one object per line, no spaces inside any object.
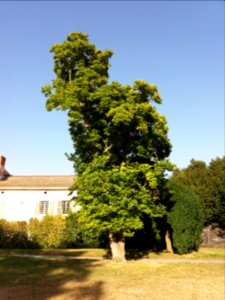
{"x":25,"y":278}
{"x":202,"y":253}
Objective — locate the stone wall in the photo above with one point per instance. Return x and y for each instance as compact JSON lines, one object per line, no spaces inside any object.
{"x":213,"y":237}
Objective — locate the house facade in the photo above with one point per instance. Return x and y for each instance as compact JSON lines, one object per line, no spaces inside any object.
{"x":26,"y":197}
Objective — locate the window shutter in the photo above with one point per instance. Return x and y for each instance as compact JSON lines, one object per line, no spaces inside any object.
{"x":37,"y":209}
{"x":59,"y":209}
{"x":51,"y":208}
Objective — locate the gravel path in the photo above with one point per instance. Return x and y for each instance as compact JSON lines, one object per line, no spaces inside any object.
{"x":158,"y":260}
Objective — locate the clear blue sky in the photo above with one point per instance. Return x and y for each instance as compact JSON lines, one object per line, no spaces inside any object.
{"x":177,"y":45}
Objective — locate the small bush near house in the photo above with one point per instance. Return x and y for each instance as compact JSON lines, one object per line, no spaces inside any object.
{"x":78,"y":236}
{"x":14,"y":234}
{"x":49,"y":232}
{"x":185,"y":219}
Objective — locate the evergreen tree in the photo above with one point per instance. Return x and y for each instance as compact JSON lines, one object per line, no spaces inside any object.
{"x":185,"y":218}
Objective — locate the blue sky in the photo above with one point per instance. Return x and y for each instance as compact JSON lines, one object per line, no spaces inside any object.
{"x":177,"y":45}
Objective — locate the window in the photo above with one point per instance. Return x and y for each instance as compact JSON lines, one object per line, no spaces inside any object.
{"x":43,"y":207}
{"x":65,"y":205}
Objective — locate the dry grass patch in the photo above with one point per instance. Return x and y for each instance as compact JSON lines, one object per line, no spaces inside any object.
{"x":51,"y":279}
{"x":144,"y":280}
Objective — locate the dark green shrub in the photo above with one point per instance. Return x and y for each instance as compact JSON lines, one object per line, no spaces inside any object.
{"x":185,"y":219}
{"x":77,"y":235}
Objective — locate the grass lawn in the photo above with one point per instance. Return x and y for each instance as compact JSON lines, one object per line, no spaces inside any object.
{"x":203,"y":253}
{"x":26,"y":278}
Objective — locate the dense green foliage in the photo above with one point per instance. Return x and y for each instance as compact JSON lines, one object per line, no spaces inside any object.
{"x":208,"y":182}
{"x":14,"y":235}
{"x":114,"y":200}
{"x":48,"y":232}
{"x":120,"y":140}
{"x":217,"y":180}
{"x":72,"y":231}
{"x":77,"y":234}
{"x":185,"y":218}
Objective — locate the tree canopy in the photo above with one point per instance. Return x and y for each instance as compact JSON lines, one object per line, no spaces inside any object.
{"x":120,"y":140}
{"x":208,"y":182}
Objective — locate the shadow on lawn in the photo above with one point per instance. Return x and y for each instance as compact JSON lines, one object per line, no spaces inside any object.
{"x":26,"y":278}
{"x":133,"y":254}
{"x":48,"y":252}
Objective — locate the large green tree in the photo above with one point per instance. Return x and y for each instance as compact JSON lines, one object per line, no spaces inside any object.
{"x":208,"y":182}
{"x":120,"y":140}
{"x":217,"y":179}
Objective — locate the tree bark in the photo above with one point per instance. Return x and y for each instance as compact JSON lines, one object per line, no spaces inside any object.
{"x":169,"y":247}
{"x":117,"y":246}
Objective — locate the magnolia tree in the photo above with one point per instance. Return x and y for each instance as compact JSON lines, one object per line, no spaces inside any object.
{"x":120,"y":140}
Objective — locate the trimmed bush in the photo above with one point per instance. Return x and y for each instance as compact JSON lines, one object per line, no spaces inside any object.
{"x":49,"y":232}
{"x":77,"y":235}
{"x":185,"y":219}
{"x":13,"y":234}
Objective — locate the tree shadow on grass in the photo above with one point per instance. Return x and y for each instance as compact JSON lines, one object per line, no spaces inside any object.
{"x":133,"y":254}
{"x":45,"y":252}
{"x":27,"y":278}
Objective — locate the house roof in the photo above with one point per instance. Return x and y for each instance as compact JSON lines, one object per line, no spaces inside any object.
{"x":36,"y":182}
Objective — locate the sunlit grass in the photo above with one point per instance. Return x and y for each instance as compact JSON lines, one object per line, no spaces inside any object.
{"x":202,"y":253}
{"x":24,"y":278}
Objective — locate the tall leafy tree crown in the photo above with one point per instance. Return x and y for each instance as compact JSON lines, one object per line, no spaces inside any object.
{"x":105,"y":117}
{"x":120,"y":140}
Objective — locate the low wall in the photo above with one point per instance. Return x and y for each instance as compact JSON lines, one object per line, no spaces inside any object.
{"x":213,"y":237}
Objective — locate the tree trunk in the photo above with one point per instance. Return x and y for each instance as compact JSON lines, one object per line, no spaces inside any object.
{"x":169,"y":247}
{"x":117,"y":246}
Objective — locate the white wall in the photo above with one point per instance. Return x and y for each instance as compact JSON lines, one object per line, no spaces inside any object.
{"x":23,"y":205}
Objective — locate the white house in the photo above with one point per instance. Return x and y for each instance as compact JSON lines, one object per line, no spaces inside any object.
{"x":25,"y":197}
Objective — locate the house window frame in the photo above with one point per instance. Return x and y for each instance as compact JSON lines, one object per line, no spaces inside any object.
{"x":43,"y":207}
{"x":65,"y":206}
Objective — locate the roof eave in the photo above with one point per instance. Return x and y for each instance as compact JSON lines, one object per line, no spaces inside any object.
{"x":18,"y":188}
